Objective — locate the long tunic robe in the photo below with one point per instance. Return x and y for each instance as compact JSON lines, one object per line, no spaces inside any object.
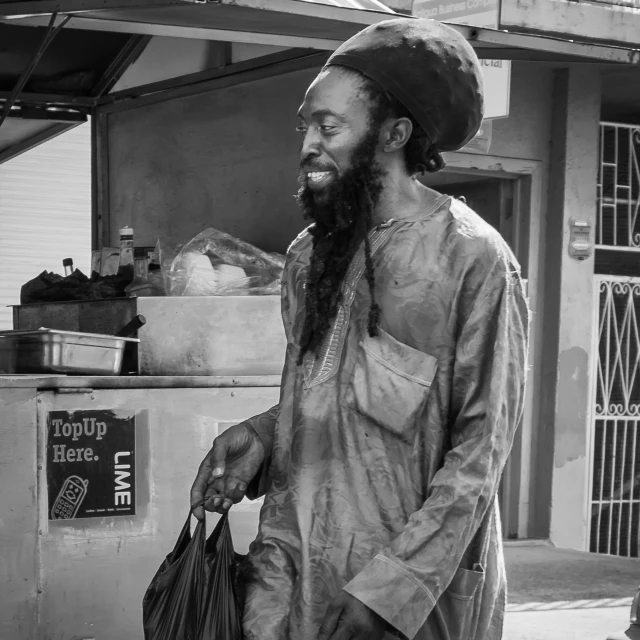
{"x":386,"y":452}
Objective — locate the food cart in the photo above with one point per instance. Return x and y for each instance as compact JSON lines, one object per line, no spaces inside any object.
{"x":187,"y":150}
{"x":100,"y":467}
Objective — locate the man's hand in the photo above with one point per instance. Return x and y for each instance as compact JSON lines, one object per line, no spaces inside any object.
{"x":348,"y":619}
{"x":233,"y":462}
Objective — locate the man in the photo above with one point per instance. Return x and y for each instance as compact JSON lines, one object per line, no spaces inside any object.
{"x":403,"y":386}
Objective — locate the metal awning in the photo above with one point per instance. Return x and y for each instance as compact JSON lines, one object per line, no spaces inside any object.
{"x":508,"y":45}
{"x":317,"y":24}
{"x":103,"y":36}
{"x":117,"y":28}
{"x":45,"y":7}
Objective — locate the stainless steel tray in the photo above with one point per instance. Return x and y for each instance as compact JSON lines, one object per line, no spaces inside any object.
{"x":66,"y":352}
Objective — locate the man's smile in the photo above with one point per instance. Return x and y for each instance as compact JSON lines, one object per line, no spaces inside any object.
{"x":319,"y":178}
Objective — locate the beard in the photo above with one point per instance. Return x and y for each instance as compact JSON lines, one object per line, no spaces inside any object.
{"x":339,"y":207}
{"x":342,"y":214}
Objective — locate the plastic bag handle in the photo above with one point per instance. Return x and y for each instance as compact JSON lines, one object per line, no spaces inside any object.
{"x":200,"y":504}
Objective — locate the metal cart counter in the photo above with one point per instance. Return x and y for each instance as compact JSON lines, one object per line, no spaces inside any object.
{"x":95,"y":486}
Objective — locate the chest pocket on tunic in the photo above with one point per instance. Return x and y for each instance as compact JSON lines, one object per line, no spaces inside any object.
{"x":391,"y":384}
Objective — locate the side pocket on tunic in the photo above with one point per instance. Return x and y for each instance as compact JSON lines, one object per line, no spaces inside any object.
{"x":391,"y":384}
{"x":453,"y":617}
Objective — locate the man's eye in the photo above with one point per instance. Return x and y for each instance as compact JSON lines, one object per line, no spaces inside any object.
{"x":301,"y":129}
{"x":327,"y":128}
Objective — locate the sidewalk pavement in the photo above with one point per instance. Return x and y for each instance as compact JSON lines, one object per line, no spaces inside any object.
{"x":558,"y":594}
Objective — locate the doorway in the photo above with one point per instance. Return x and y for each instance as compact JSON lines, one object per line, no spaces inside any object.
{"x":497,"y":201}
{"x":493,"y":199}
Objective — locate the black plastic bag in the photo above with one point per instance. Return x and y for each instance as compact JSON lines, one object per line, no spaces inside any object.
{"x":193,"y":594}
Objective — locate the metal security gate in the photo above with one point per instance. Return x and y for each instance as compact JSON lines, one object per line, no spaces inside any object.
{"x":615,"y":418}
{"x":618,"y":225}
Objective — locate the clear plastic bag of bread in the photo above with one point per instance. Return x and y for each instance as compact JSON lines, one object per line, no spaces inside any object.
{"x":215,"y":263}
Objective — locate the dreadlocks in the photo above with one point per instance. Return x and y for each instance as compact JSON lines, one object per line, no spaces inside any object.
{"x":342,"y":222}
{"x":344,"y":217}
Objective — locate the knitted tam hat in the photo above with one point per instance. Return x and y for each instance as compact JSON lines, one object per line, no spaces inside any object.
{"x":427,"y":66}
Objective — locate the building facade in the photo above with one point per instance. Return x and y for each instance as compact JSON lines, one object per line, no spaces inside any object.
{"x":574,"y":477}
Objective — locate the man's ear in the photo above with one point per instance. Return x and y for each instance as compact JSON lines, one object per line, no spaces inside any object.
{"x":395,"y":134}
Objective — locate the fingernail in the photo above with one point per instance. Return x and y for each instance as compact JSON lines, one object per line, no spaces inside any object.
{"x":216,"y":502}
{"x":227,"y":504}
{"x":218,"y":472}
{"x":242,"y":486}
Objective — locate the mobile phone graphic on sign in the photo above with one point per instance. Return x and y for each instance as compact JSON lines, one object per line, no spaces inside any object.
{"x":70,"y":498}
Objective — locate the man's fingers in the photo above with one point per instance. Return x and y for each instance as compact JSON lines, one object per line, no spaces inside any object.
{"x":214,"y":504}
{"x":198,"y":512}
{"x":217,"y":490}
{"x":218,"y":457}
{"x":214,"y":499}
{"x":212,"y":467}
{"x":220,"y":494}
{"x":239,"y":486}
{"x":230,"y":487}
{"x":199,"y":487}
{"x":219,"y":485}
{"x":196,"y":498}
{"x":235,"y":490}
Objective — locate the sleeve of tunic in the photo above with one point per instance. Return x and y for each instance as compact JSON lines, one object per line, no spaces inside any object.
{"x":264,"y":424}
{"x":405,"y":580}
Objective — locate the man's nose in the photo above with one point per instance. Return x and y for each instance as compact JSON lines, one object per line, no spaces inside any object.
{"x":310,"y":146}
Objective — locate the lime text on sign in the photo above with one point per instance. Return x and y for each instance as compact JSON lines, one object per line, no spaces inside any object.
{"x":122,"y":495}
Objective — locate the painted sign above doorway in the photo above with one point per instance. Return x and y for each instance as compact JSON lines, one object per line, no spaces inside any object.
{"x":477,"y":13}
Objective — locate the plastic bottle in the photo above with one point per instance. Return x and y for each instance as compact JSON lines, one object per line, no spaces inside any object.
{"x":125,"y":266}
{"x":140,"y":285}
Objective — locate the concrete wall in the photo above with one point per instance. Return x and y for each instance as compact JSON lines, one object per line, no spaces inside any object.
{"x":563,"y":464}
{"x":526,"y":132}
{"x":226,"y":159}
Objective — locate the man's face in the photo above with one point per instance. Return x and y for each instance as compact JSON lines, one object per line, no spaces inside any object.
{"x":341,"y":181}
{"x":334,"y":121}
